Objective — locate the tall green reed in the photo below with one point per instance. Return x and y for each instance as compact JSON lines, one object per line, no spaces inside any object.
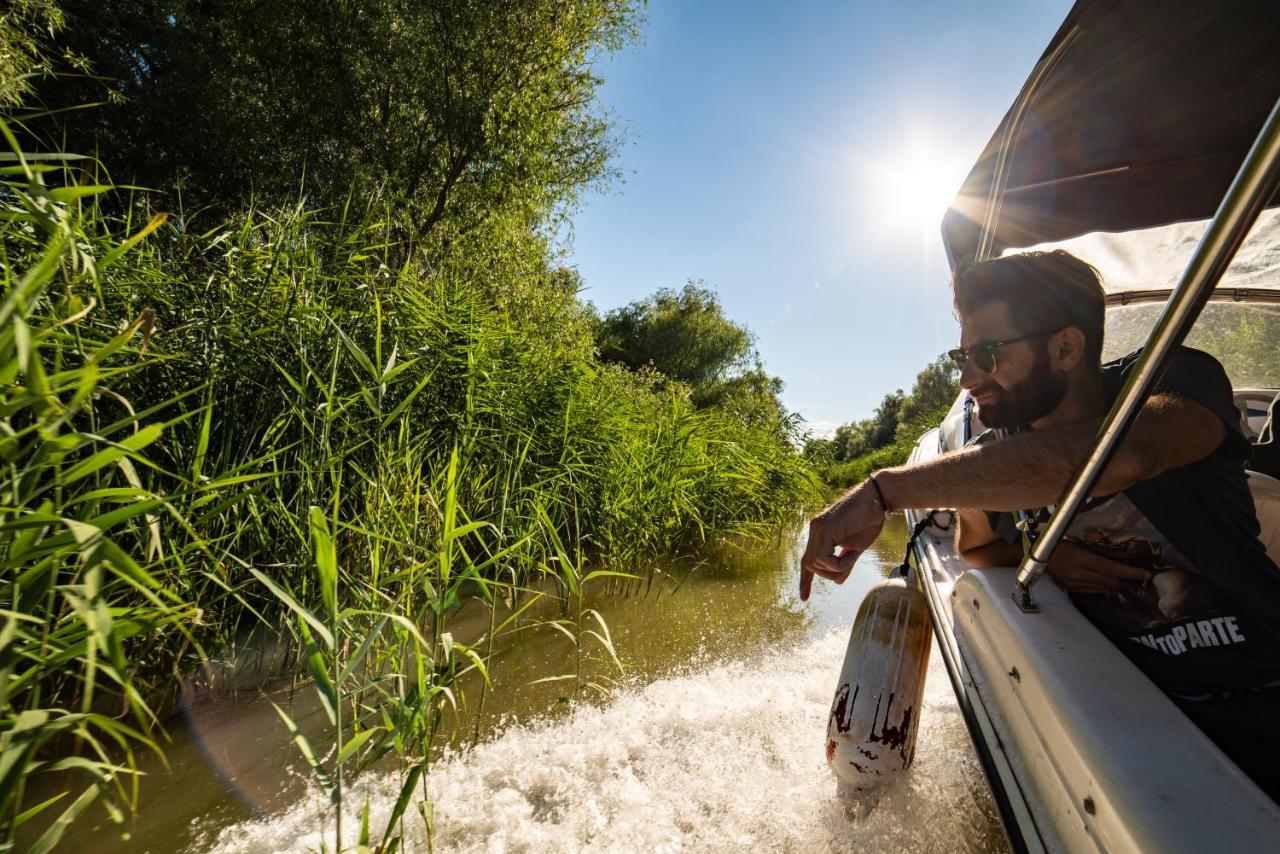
{"x":81,"y":532}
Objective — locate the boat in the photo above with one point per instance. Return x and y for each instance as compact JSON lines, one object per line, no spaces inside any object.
{"x":1146,"y":141}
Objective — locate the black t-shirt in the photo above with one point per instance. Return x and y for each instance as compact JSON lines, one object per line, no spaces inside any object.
{"x":1209,"y":618}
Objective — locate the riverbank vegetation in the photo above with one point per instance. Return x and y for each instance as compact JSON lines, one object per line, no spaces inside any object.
{"x":326,"y":373}
{"x":885,"y":439}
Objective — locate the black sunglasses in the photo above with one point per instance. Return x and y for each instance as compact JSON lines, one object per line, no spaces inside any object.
{"x":984,"y":354}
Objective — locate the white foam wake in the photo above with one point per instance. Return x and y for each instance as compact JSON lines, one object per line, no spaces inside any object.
{"x":728,"y":757}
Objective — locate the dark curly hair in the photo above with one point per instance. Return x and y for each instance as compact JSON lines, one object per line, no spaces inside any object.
{"x":1043,"y":291}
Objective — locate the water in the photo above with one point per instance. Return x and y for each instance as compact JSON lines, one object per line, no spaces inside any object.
{"x":712,"y":740}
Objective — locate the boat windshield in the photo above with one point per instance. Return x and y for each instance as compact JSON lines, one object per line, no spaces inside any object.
{"x":1244,"y":337}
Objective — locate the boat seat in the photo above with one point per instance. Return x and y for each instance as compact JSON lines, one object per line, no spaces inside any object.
{"x":1266,"y":499}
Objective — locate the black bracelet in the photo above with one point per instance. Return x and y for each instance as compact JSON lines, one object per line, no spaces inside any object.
{"x":879,"y":494}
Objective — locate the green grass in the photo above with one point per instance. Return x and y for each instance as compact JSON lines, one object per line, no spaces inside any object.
{"x":297,"y":418}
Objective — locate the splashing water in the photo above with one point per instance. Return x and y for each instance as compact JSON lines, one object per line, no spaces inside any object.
{"x":717,"y":757}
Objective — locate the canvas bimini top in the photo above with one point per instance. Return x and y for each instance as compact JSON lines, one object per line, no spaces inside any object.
{"x":1143,"y":113}
{"x":1144,"y":265}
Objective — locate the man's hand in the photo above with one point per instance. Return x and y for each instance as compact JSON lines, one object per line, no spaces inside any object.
{"x":1078,"y":570}
{"x":852,"y":525}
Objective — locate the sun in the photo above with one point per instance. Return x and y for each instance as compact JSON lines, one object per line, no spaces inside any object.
{"x":919,"y":192}
{"x":911,"y":187}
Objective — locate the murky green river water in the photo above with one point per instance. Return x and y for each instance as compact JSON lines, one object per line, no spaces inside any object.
{"x":711,"y":739}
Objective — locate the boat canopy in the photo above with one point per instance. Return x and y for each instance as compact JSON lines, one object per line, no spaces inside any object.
{"x":1144,"y":114}
{"x":1144,"y":265}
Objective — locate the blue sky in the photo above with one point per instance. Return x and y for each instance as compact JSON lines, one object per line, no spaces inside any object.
{"x":796,"y":158}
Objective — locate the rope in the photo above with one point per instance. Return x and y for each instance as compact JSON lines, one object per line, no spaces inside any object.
{"x":929,"y":521}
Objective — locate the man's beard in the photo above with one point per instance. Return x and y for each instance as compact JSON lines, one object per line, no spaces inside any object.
{"x":1032,"y":399}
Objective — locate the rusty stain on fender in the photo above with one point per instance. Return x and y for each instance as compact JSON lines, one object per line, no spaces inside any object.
{"x":872,"y":726}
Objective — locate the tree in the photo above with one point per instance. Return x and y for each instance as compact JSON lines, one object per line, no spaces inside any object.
{"x":885,"y":421}
{"x":685,"y":336}
{"x":753,"y":396}
{"x":935,"y":389}
{"x":862,"y":437}
{"x":850,"y":440}
{"x":458,"y":109}
{"x":682,"y":334}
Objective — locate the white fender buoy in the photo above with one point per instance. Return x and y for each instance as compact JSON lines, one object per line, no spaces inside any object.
{"x":871,"y":734}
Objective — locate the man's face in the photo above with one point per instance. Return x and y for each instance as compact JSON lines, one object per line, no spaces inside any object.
{"x":1025,"y":386}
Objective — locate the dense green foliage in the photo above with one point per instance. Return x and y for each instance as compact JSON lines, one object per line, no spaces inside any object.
{"x":682,"y":334}
{"x":464,"y":111}
{"x":338,"y":407}
{"x":685,"y":335}
{"x":23,"y":25}
{"x":80,"y":527}
{"x":885,"y":439}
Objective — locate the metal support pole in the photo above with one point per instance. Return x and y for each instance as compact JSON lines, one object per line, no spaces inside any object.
{"x":1254,"y":185}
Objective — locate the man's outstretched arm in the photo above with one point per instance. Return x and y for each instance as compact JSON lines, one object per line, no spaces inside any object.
{"x":1027,"y":470}
{"x":1033,"y":469}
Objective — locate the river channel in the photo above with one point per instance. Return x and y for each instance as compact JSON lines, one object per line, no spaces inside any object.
{"x":711,"y":739}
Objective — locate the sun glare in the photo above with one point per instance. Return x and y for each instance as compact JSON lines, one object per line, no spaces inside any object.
{"x":911,"y":188}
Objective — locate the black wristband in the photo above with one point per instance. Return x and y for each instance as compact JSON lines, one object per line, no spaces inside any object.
{"x":871,"y":479}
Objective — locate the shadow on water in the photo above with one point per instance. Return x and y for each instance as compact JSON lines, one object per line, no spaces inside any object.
{"x":712,"y":728}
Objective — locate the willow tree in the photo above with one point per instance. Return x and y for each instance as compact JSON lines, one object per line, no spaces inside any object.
{"x":457,"y":109}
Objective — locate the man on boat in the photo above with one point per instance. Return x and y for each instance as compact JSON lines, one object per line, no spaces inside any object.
{"x":1164,"y":559}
